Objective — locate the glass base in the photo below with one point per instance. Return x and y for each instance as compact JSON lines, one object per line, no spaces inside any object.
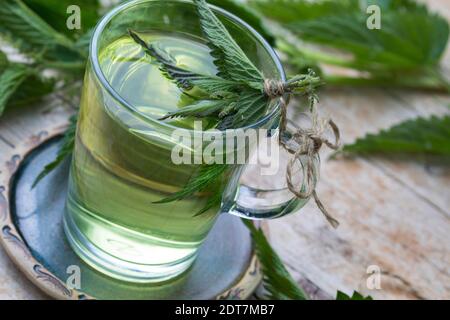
{"x":117,"y":268}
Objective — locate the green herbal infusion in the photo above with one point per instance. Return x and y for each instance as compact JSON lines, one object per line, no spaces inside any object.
{"x":120,"y":168}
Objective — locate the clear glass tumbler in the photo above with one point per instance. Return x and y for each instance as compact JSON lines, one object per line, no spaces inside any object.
{"x":122,"y":161}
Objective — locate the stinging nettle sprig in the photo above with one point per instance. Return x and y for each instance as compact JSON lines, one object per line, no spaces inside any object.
{"x":239,"y":94}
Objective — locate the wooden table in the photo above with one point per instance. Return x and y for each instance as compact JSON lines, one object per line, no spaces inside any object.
{"x":393,"y":214}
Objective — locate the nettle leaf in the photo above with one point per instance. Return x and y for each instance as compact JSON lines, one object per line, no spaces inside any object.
{"x":208,"y":175}
{"x":405,"y":53}
{"x":356,"y":296}
{"x":250,"y":106}
{"x":54,"y":12}
{"x":3,"y":61}
{"x":10,"y":80}
{"x":214,"y":201}
{"x":20,"y":84}
{"x":287,"y":11}
{"x":31,"y":90}
{"x":410,"y":36}
{"x":84,"y":41}
{"x":185,"y":79}
{"x":23,"y":28}
{"x":218,"y":88}
{"x":218,"y":94}
{"x":246,"y":13}
{"x":232,"y":62}
{"x":277,"y":281}
{"x":406,"y":40}
{"x":200,"y":109}
{"x":425,"y":137}
{"x":65,"y":150}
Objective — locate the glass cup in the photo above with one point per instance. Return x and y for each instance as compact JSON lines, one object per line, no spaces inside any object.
{"x":122,"y":162}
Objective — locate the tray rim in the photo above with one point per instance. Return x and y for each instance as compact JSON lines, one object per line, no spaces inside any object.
{"x":22,"y":257}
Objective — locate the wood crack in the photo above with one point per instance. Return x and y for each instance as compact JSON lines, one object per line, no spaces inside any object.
{"x":409,"y":188}
{"x":7,"y":142}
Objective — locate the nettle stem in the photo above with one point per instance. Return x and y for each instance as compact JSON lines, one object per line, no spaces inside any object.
{"x":430,"y":82}
{"x":427,"y":78}
{"x":311,"y":55}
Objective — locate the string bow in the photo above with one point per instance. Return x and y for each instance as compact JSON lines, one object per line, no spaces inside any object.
{"x":304,"y":143}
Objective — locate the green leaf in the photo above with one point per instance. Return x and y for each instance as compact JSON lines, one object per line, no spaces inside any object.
{"x":84,"y":41}
{"x":208,"y":178}
{"x":414,"y":137}
{"x":186,"y":79}
{"x":231,"y":61}
{"x":210,"y":85}
{"x":3,"y":61}
{"x":406,"y":40}
{"x":20,"y":84}
{"x":356,"y":296}
{"x":277,"y":281}
{"x":214,"y":201}
{"x":287,"y":11}
{"x":218,"y":88}
{"x":10,"y":80}
{"x":251,"y":106}
{"x":234,"y":110}
{"x":31,"y":90}
{"x":405,"y":52}
{"x":54,"y":12}
{"x":208,"y":175}
{"x":200,"y":109}
{"x":66,"y":149}
{"x":168,"y":65}
{"x":31,"y":34}
{"x":410,"y":36}
{"x":246,"y":13}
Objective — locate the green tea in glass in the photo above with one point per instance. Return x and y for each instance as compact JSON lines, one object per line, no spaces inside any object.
{"x":122,"y":163}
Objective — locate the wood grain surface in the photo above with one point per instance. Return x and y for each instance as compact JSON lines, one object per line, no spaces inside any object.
{"x":394,"y":214}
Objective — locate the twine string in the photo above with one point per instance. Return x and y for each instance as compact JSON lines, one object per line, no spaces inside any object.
{"x":308,"y":142}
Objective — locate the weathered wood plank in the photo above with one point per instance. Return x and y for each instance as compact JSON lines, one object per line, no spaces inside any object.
{"x":384,"y":109}
{"x":5,"y":147}
{"x":13,"y":284}
{"x":420,"y":175}
{"x":23,"y":122}
{"x":390,"y":211}
{"x":372,"y":232}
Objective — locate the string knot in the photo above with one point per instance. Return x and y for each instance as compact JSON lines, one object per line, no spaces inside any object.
{"x":316,"y":142}
{"x":308,"y":144}
{"x":274,"y":88}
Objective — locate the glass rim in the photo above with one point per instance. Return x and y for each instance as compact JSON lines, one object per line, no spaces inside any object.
{"x":93,"y":57}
